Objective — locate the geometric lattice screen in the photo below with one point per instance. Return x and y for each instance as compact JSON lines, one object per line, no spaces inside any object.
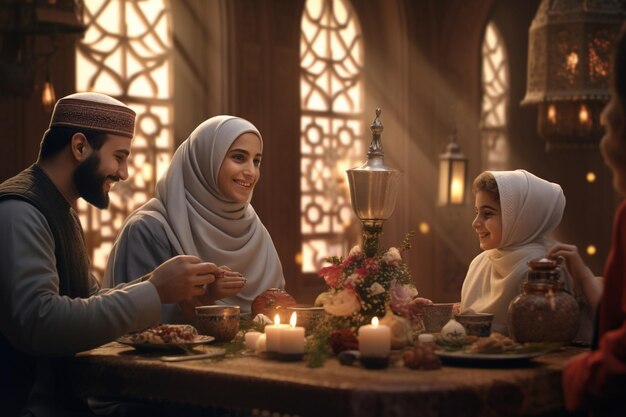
{"x":126,"y":53}
{"x":495,"y":86}
{"x":331,"y":91}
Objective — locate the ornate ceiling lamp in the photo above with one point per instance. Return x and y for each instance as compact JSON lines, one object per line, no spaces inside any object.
{"x":21,"y":23}
{"x":568,"y":68}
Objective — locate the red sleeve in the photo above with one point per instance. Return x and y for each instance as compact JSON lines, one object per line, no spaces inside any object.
{"x":598,"y":379}
{"x":598,"y":376}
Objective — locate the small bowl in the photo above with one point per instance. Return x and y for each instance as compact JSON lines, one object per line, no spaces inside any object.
{"x":219,"y":321}
{"x":308,"y":316}
{"x":476,"y":324}
{"x":436,"y":316}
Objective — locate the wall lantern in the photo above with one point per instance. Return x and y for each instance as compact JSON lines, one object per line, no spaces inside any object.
{"x":22,"y":24}
{"x":452,"y":174}
{"x":569,"y":51}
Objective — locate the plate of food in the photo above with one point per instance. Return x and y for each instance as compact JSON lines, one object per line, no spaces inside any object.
{"x":465,"y":356}
{"x":166,"y":337}
{"x":494,"y":349}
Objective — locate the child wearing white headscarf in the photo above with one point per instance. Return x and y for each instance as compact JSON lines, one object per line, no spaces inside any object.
{"x":530,"y":209}
{"x":191,"y":215}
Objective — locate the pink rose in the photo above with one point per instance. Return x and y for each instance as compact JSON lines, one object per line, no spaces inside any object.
{"x":332,"y":275}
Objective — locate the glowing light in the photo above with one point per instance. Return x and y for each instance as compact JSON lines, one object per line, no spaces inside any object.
{"x":424,"y":228}
{"x":293,"y":320}
{"x":48,"y":96}
{"x":456,"y":191}
{"x":590,"y":177}
{"x":591,"y":250}
{"x":552,"y":113}
{"x":375,"y":322}
{"x":583,"y":115}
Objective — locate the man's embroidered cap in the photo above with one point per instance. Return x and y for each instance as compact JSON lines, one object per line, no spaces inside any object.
{"x":94,"y":111}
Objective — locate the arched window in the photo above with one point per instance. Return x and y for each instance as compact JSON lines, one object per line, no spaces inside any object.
{"x":495,"y":86}
{"x":126,"y":53}
{"x":331,"y":88}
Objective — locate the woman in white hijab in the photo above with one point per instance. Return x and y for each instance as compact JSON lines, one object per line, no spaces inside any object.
{"x":202,"y":207}
{"x":515,"y":213}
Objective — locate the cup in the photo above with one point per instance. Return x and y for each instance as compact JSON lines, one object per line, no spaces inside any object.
{"x":436,"y":316}
{"x":219,"y":321}
{"x":308,"y":316}
{"x":476,"y":324}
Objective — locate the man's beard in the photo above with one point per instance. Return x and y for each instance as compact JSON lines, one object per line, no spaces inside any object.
{"x":89,"y":182}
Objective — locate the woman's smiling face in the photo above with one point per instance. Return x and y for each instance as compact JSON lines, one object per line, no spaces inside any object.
{"x":488,"y":221}
{"x":241,"y":168}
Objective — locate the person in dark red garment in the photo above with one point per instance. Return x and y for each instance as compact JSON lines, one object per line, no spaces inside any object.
{"x":595,"y":382}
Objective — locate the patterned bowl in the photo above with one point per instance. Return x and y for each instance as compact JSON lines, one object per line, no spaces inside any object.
{"x":476,"y":324}
{"x":308,"y":316}
{"x":219,"y":321}
{"x":436,"y":316}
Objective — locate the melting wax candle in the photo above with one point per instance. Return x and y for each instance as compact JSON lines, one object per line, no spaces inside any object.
{"x":251,"y":339}
{"x":273,"y":333}
{"x":374,"y":339}
{"x":292,"y":337}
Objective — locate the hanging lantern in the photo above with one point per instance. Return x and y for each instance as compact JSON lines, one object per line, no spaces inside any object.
{"x":48,"y":96}
{"x":568,"y":69}
{"x":452,"y":174}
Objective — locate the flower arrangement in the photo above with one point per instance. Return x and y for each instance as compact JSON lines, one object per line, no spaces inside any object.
{"x":361,"y":288}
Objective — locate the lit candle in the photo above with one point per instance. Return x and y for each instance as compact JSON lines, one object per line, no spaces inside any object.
{"x":292,"y":337}
{"x":273,"y":333}
{"x":251,"y":339}
{"x":375,"y":339}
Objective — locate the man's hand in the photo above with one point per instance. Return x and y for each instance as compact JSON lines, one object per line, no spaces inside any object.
{"x":182,"y":277}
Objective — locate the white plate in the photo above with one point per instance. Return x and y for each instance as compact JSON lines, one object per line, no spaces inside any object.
{"x":199,"y":340}
{"x":462,"y":356}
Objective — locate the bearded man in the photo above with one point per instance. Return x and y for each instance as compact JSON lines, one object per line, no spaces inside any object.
{"x":50,"y":304}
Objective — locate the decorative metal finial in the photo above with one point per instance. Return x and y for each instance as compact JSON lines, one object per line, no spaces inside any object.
{"x":373,"y":190}
{"x":376,"y":147}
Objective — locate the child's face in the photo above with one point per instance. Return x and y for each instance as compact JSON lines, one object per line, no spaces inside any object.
{"x":488,"y":221}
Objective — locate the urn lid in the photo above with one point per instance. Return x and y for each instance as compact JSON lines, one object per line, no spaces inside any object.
{"x":545,"y":269}
{"x":544,"y":264}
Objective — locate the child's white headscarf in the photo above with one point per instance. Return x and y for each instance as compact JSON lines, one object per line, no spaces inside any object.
{"x":531,"y":208}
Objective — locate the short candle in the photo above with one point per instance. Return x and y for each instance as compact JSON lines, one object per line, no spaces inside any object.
{"x":292,"y":337}
{"x":273,"y":333}
{"x":375,"y":339}
{"x":251,"y":339}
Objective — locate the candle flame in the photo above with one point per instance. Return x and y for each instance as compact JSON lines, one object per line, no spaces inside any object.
{"x":375,"y":322}
{"x":276,"y":319}
{"x":293,"y":320}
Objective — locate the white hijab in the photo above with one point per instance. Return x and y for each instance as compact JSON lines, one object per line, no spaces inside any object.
{"x":199,"y":220}
{"x":531,"y":208}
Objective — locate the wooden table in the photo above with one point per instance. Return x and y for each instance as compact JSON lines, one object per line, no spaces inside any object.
{"x":251,"y":383}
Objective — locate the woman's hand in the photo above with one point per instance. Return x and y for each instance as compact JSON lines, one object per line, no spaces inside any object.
{"x":573,"y":262}
{"x":580,"y":273}
{"x":227,"y":284}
